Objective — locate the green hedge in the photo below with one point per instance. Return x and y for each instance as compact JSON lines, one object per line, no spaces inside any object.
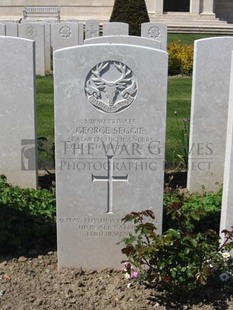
{"x":27,"y":219}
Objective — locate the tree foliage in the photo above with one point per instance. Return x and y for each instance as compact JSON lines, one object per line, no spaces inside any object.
{"x":133,"y":12}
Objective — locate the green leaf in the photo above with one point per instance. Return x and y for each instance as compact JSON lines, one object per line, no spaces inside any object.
{"x":149,"y":213}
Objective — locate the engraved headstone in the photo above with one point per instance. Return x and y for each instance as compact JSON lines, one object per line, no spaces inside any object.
{"x":210,"y":96}
{"x":91,"y":28}
{"x":12,"y":29}
{"x":64,"y":35}
{"x":155,"y":31}
{"x":115,"y":28}
{"x":48,"y":44}
{"x":35,"y":32}
{"x":110,"y":112}
{"x":227,"y":207}
{"x":17,"y":112}
{"x":132,"y":40}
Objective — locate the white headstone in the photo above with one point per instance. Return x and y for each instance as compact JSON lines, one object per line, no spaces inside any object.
{"x":36,"y":32}
{"x":132,"y":40}
{"x":227,"y":206}
{"x":2,"y":29}
{"x":48,"y":44}
{"x":115,"y":28}
{"x":91,"y":28}
{"x":48,"y":48}
{"x":17,"y":112}
{"x":64,"y":35}
{"x":110,"y":112}
{"x":155,"y":31}
{"x":210,"y":92}
{"x":80,"y":33}
{"x":12,"y":29}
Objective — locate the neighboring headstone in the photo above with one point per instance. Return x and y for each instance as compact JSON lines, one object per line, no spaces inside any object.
{"x":36,"y":32}
{"x":17,"y":112}
{"x":48,"y":44}
{"x":2,"y":29}
{"x":210,"y":92}
{"x":227,"y":206}
{"x":155,"y":31}
{"x":64,"y":35}
{"x":114,"y":28}
{"x":80,"y":33}
{"x":47,"y":48}
{"x":92,"y":28}
{"x":110,"y":112}
{"x":132,"y":40}
{"x":12,"y":29}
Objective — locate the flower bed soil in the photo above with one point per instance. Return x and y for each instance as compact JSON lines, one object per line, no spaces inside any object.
{"x":35,"y":283}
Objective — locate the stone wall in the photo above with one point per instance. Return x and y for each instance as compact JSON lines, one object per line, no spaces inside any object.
{"x":91,"y":9}
{"x":85,"y":9}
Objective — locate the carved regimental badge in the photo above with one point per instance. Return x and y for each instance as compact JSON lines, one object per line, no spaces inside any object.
{"x":65,"y":32}
{"x":111,"y":87}
{"x":154,"y":32}
{"x":30,"y":30}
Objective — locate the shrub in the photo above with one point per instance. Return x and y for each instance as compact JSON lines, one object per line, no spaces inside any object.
{"x":133,"y":12}
{"x":180,"y":59}
{"x":210,"y":203}
{"x":181,"y":260}
{"x":27,"y":219}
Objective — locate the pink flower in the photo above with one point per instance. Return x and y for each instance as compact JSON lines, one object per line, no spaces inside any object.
{"x":130,"y":271}
{"x":134,"y":274}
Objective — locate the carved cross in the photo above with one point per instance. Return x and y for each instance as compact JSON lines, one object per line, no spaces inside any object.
{"x":110,"y":178}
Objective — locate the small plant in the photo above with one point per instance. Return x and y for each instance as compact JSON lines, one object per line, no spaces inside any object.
{"x":180,"y":260}
{"x":209,"y":202}
{"x":184,"y":139}
{"x":46,"y":154}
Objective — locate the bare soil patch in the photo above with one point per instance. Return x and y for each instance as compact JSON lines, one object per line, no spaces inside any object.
{"x":35,"y":283}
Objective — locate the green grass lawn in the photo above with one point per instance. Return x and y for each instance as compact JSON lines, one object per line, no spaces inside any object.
{"x":179,"y":98}
{"x":45,"y":110}
{"x":178,"y":111}
{"x":188,"y":38}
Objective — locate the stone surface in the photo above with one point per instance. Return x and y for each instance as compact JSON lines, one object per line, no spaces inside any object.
{"x":110,"y":115}
{"x":155,"y":31}
{"x":35,"y":32}
{"x":80,"y":33}
{"x":132,"y":40}
{"x":12,"y":9}
{"x":48,"y":45}
{"x":17,"y":112}
{"x":64,"y":35}
{"x":12,"y":29}
{"x":91,"y":28}
{"x":210,"y":94}
{"x":2,"y":29}
{"x":227,"y":208}
{"x":115,"y":28}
